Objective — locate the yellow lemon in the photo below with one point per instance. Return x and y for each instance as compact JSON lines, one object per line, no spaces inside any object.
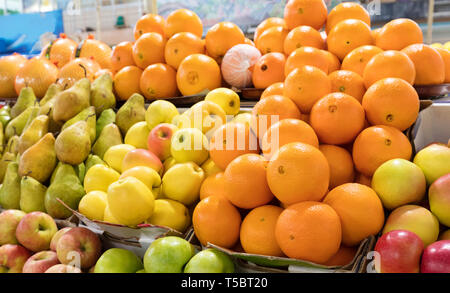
{"x":137,"y":135}
{"x":99,"y":177}
{"x":93,"y":205}
{"x":146,"y":175}
{"x":226,"y":98}
{"x":171,"y":214}
{"x":115,"y":154}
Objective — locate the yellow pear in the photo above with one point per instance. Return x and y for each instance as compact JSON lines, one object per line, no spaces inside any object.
{"x":115,"y":154}
{"x":99,"y":177}
{"x":146,"y":175}
{"x":93,"y":205}
{"x":171,"y":214}
{"x":137,"y":135}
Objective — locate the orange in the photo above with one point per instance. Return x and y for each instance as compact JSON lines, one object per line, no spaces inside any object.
{"x":198,"y":73}
{"x":249,"y":42}
{"x":341,"y":164}
{"x":348,"y":35}
{"x":268,"y":23}
{"x":181,"y":45}
{"x":270,"y":110}
{"x":287,"y":131}
{"x":268,"y":70}
{"x":245,"y":182}
{"x":375,"y":33}
{"x":392,"y":102}
{"x":348,"y":82}
{"x":95,"y":50}
{"x":363,"y":179}
{"x":389,"y":64}
{"x":309,"y":231}
{"x":333,"y":62}
{"x":445,"y":54}
{"x":213,"y":185}
{"x":217,"y":221}
{"x":221,"y":37}
{"x":38,"y":73}
{"x":257,"y":233}
{"x":230,"y":141}
{"x":360,"y":210}
{"x":346,"y":10}
{"x":303,"y":36}
{"x":378,"y":144}
{"x":305,"y":12}
{"x":183,"y":20}
{"x":122,"y":55}
{"x":430,"y":67}
{"x":9,"y":66}
{"x":149,"y":23}
{"x":398,"y":34}
{"x":61,"y":51}
{"x":159,"y":81}
{"x":272,"y":40}
{"x":306,"y":56}
{"x":298,"y":172}
{"x":305,"y":86}
{"x":344,"y":256}
{"x":337,"y":118}
{"x":126,"y":82}
{"x":357,"y":59}
{"x":77,"y":69}
{"x":148,"y":50}
{"x":274,"y":89}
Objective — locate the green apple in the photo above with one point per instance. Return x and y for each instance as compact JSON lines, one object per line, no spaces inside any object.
{"x":182,"y":182}
{"x":189,"y":145}
{"x":141,"y":271}
{"x":434,"y":160}
{"x":210,"y":261}
{"x":160,"y":111}
{"x":168,"y":255}
{"x":118,"y":260}
{"x":137,"y":135}
{"x":226,"y":98}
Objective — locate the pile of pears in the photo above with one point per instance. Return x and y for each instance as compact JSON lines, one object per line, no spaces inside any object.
{"x":47,"y":146}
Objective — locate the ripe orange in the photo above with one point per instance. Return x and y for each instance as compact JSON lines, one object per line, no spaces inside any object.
{"x":298,"y":172}
{"x":216,"y":220}
{"x":272,"y":40}
{"x":249,"y":42}
{"x":392,"y":102}
{"x":363,"y":179}
{"x":333,"y":62}
{"x":230,"y":141}
{"x":37,"y":73}
{"x":348,"y":82}
{"x":337,"y":118}
{"x":360,"y":210}
{"x":159,"y":81}
{"x":61,"y":51}
{"x":268,"y":23}
{"x":398,"y":34}
{"x":149,"y":23}
{"x":122,"y":55}
{"x":378,"y":144}
{"x":348,"y":35}
{"x":76,"y":70}
{"x":270,"y":110}
{"x":268,"y":70}
{"x":9,"y":66}
{"x":258,"y":231}
{"x":183,"y":20}
{"x":213,"y":185}
{"x":344,"y":256}
{"x":445,"y":54}
{"x":197,"y":73}
{"x":181,"y":45}
{"x":389,"y":64}
{"x":305,"y":86}
{"x":287,"y":131}
{"x":245,"y":182}
{"x":305,"y":12}
{"x":126,"y":82}
{"x":309,"y":231}
{"x":274,"y":89}
{"x":306,"y":56}
{"x":341,"y":164}
{"x":148,"y":50}
{"x":346,"y":10}
{"x":430,"y":67}
{"x":96,"y":50}
{"x":357,"y":59}
{"x":303,"y":36}
{"x":375,"y":33}
{"x":221,"y":37}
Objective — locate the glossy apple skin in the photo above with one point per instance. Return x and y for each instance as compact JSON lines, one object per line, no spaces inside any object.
{"x":40,"y":262}
{"x":436,"y":258}
{"x":159,"y":140}
{"x":439,"y":198}
{"x":141,"y":157}
{"x":35,"y":231}
{"x":63,"y":269}
{"x":13,"y":258}
{"x":398,"y":251}
{"x":57,"y":236}
{"x":9,"y":220}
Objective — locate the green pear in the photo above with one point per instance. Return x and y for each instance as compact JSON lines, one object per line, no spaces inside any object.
{"x":5,"y":115}
{"x":109,"y":137}
{"x":87,"y":115}
{"x":81,"y":171}
{"x":93,"y":160}
{"x":106,"y":117}
{"x":2,"y":139}
{"x":72,"y":101}
{"x":39,"y":160}
{"x":17,"y":125}
{"x":4,"y":162}
{"x":131,"y":112}
{"x":55,"y":171}
{"x":10,"y":190}
{"x":102,"y":96}
{"x":67,"y":187}
{"x":25,"y":100}
{"x":13,"y":145}
{"x":37,"y":129}
{"x":52,"y":91}
{"x":73,"y":144}
{"x":32,"y":195}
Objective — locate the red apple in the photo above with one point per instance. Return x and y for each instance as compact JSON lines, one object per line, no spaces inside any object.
{"x":12,"y":258}
{"x":57,"y":236}
{"x":35,"y":231}
{"x":141,"y":157}
{"x":398,"y":251}
{"x":40,"y":262}
{"x":436,"y":258}
{"x":9,"y":220}
{"x":159,"y":140}
{"x":81,"y":245}
{"x":63,"y":269}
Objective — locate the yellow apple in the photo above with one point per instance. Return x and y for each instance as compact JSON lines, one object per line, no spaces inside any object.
{"x":171,"y":214}
{"x":189,"y":145}
{"x":160,"y":111}
{"x":210,"y":168}
{"x":182,"y":182}
{"x":226,"y":98}
{"x":168,"y":163}
{"x":244,"y":118}
{"x":137,"y":135}
{"x":93,"y":205}
{"x":115,"y":154}
{"x":146,"y":175}
{"x":108,"y":217}
{"x":99,"y":177}
{"x":205,"y":116}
